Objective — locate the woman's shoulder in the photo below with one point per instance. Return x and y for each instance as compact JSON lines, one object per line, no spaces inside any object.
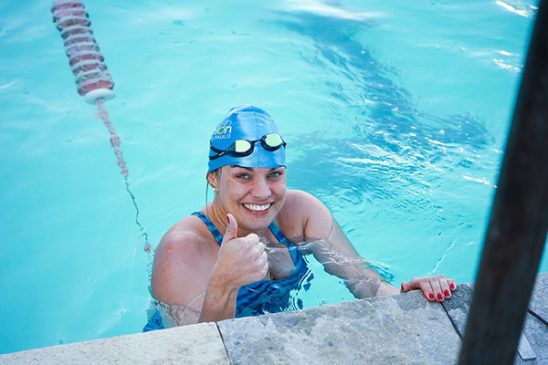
{"x":301,"y":212}
{"x":189,"y":235}
{"x":302,"y":203}
{"x":185,"y":249}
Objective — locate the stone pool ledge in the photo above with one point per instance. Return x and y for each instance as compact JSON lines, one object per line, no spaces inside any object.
{"x":402,"y":329}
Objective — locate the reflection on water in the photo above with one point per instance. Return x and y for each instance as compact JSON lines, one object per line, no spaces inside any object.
{"x":517,"y":7}
{"x":330,"y":9}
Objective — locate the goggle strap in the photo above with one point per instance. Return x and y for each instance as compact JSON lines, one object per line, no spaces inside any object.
{"x":231,"y":149}
{"x":215,"y":149}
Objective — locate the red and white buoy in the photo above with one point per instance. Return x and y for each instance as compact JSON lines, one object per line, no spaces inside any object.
{"x":85,"y":59}
{"x":93,"y":80}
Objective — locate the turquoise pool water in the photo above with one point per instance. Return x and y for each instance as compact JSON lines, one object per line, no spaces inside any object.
{"x":395,"y":114}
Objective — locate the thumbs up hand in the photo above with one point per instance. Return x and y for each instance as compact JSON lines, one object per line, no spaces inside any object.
{"x":241,"y":260}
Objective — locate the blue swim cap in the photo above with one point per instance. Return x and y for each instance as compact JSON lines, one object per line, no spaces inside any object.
{"x":245,"y":122}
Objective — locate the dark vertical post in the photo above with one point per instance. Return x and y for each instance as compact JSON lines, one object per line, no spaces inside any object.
{"x":519,"y":218}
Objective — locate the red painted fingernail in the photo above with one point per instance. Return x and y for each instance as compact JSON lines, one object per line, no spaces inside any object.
{"x":440,"y":297}
{"x":431,"y":296}
{"x":452,"y":286}
{"x":447,"y":294}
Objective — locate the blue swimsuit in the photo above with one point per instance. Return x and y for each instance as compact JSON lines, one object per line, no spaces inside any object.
{"x":263,"y":296}
{"x":266,"y":296}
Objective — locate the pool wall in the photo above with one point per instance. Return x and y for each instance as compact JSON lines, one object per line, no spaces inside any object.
{"x":401,"y":329}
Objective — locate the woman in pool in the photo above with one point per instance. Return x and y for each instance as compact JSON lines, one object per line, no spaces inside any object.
{"x":233,"y":258}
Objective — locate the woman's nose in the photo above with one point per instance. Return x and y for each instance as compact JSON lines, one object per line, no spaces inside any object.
{"x":261,"y":190}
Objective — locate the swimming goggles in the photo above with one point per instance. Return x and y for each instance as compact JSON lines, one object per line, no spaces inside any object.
{"x":244,"y":147}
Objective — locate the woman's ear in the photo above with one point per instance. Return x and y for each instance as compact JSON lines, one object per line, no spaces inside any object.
{"x":212,"y":180}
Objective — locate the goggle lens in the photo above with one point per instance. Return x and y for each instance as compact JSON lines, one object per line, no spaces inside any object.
{"x":241,"y":146}
{"x":272,"y":141}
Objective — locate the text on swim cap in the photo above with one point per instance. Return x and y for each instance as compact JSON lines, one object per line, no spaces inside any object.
{"x":223,"y":131}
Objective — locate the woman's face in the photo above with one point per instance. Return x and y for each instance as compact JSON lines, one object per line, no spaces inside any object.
{"x":254,"y":196}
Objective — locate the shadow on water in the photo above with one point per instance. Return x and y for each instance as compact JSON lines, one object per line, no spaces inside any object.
{"x":393,"y":143}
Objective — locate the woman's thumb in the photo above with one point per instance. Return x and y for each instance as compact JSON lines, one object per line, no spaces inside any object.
{"x":231,"y":228}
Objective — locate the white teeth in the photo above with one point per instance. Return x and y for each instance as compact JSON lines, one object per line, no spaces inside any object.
{"x":257,"y":207}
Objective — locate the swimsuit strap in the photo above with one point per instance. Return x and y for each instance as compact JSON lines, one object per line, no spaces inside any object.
{"x":277,"y":232}
{"x":214,"y":231}
{"x":273,"y":228}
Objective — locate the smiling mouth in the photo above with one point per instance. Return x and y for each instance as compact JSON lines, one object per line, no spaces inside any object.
{"x":257,"y":207}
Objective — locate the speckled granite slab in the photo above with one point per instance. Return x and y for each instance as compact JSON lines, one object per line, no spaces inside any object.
{"x":533,"y":347}
{"x":195,"y":344}
{"x":403,"y":329}
{"x":539,"y":301}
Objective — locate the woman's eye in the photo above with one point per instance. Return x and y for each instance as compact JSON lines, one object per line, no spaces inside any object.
{"x":243,"y":176}
{"x":275,"y":174}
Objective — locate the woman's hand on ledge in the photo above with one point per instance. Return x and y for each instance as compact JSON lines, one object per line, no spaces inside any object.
{"x":434,"y":288}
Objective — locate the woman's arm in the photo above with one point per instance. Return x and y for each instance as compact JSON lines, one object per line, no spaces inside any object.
{"x":340,"y":258}
{"x":329,"y":245}
{"x":337,"y":254}
{"x":184,"y":269}
{"x":181,"y":278}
